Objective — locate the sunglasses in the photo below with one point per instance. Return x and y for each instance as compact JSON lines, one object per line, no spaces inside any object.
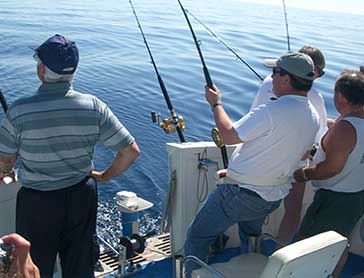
{"x":279,"y":70}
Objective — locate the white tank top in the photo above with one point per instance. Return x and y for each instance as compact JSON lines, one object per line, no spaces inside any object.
{"x":351,"y":178}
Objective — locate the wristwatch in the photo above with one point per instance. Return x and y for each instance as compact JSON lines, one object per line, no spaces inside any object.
{"x":8,"y":173}
{"x":213,"y":106}
{"x":304,"y":175}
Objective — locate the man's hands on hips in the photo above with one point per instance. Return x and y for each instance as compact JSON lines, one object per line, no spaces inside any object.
{"x":99,"y":176}
{"x":121,"y":162}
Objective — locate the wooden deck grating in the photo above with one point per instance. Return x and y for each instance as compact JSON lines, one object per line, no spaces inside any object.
{"x":157,"y":248}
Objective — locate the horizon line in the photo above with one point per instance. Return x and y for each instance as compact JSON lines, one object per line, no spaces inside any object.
{"x":306,"y":7}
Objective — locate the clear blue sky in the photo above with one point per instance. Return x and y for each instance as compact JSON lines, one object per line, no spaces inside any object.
{"x":350,"y":6}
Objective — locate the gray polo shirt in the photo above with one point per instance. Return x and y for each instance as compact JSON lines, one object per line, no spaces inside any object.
{"x":54,"y":133}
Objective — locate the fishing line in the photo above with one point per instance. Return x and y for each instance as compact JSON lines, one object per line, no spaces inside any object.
{"x":215,"y":131}
{"x":285,"y":17}
{"x":175,"y":119}
{"x":204,"y":67}
{"x":225,"y":44}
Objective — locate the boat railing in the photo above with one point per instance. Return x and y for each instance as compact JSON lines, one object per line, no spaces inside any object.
{"x":266,"y":236}
{"x":202,"y":264}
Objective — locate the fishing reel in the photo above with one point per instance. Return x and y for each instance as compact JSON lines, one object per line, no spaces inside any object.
{"x":133,"y":245}
{"x":169,"y":125}
{"x":5,"y":258}
{"x":216,"y":136}
{"x":128,"y":248}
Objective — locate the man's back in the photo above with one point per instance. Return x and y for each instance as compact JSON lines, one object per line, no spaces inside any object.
{"x":55,"y":132}
{"x":265,"y":94}
{"x":276,"y":136}
{"x":52,"y":136}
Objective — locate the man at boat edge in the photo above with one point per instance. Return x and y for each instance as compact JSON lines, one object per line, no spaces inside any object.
{"x":52,"y":135}
{"x":260,"y":169}
{"x":337,"y":173}
{"x":293,"y":202}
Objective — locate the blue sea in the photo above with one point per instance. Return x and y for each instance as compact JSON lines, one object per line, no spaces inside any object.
{"x":115,"y":66}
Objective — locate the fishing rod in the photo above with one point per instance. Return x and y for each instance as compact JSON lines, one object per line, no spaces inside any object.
{"x":204,"y":67}
{"x":215,"y":132}
{"x":285,"y":16}
{"x":3,"y":102}
{"x":225,"y":44}
{"x":175,"y":123}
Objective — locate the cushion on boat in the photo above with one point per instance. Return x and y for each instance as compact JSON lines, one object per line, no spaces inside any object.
{"x":316,"y":257}
{"x":357,"y":238}
{"x":246,"y":265}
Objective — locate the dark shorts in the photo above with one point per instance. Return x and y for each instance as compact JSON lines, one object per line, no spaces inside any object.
{"x":61,"y":221}
{"x":336,"y":211}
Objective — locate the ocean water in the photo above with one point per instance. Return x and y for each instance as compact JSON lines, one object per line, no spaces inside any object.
{"x":115,"y":66}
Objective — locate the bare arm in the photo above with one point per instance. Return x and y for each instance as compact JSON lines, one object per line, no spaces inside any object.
{"x":222,"y":120}
{"x":330,"y":122}
{"x":121,"y":162}
{"x":338,"y":143}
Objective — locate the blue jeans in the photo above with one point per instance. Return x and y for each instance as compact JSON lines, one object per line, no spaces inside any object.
{"x":227,"y":205}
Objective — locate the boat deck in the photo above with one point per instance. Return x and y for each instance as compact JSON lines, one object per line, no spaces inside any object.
{"x":156,"y":262}
{"x":157,"y":248}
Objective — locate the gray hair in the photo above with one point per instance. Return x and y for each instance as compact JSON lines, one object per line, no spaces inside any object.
{"x":52,"y":77}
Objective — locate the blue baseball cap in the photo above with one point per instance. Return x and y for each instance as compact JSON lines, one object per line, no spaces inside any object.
{"x":59,"y":54}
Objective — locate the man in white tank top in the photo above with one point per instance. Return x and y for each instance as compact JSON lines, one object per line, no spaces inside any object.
{"x":339,"y":166}
{"x":260,"y":169}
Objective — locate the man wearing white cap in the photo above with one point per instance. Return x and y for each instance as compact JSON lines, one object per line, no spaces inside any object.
{"x":275,"y":138}
{"x":53,"y":134}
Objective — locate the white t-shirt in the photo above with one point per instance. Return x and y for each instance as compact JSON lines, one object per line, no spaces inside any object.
{"x":275,"y":136}
{"x":350,"y":179}
{"x":265,"y":92}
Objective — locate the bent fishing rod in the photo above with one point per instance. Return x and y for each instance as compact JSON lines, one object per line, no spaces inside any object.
{"x":285,"y":17}
{"x":176,"y":122}
{"x":215,"y":132}
{"x":226,"y":45}
{"x":204,"y":67}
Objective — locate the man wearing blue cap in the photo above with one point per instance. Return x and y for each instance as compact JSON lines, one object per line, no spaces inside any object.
{"x":52,"y":135}
{"x":275,"y":136}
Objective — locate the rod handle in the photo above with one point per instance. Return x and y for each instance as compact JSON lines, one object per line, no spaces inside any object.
{"x":207,"y":77}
